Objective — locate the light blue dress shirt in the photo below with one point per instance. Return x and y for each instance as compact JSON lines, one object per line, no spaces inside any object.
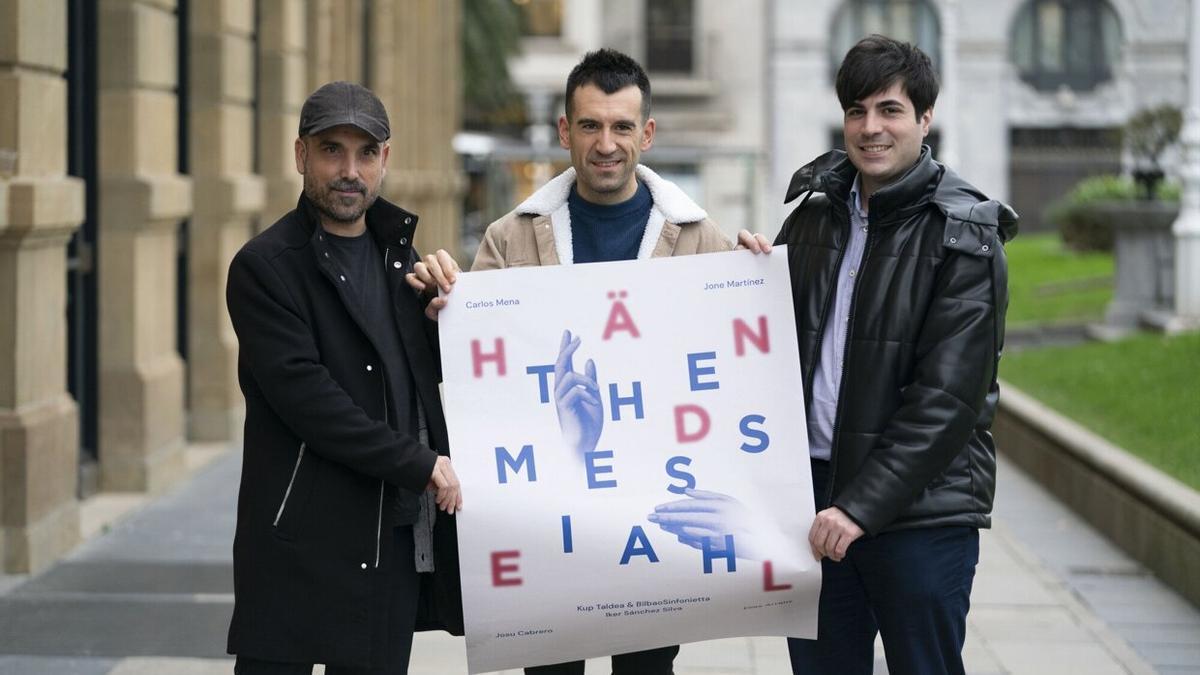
{"x":827,"y":378}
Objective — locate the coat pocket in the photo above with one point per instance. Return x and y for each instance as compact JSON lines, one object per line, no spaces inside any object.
{"x":289,"y":515}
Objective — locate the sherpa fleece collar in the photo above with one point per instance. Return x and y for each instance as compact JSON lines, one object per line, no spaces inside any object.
{"x":676,"y":206}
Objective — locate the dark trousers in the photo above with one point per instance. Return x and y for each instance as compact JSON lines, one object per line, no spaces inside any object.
{"x":911,"y":586}
{"x":650,"y":662}
{"x":402,"y":617}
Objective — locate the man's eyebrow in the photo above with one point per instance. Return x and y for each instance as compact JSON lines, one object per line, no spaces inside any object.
{"x":592,"y":120}
{"x":878,"y":104}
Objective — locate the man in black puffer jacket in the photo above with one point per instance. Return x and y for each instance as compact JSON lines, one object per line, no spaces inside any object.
{"x":900,"y":286}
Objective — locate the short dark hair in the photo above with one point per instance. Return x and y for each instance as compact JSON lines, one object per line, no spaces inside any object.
{"x":611,"y":71}
{"x":877,"y":62}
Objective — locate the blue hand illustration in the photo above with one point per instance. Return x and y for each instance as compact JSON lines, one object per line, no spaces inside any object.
{"x":577,"y":399}
{"x":711,"y":516}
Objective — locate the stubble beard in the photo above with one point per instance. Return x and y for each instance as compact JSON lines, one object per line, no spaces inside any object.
{"x":607,"y":184}
{"x":329,"y":204}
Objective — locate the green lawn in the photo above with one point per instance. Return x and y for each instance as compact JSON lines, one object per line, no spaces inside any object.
{"x":1050,"y":284}
{"x":1142,"y":393}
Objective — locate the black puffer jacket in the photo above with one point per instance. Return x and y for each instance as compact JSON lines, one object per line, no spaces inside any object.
{"x":911,"y":446}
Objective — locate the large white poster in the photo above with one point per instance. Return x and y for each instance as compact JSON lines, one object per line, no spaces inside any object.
{"x":630,"y":439}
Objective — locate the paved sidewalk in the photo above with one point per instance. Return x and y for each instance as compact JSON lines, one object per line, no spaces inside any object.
{"x":152,"y":595}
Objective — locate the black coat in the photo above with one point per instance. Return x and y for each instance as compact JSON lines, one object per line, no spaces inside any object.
{"x":912,"y":446}
{"x":321,"y":464}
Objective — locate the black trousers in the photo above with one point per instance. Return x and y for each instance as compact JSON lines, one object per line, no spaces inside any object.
{"x":402,"y":617}
{"x":911,"y":586}
{"x":650,"y":662}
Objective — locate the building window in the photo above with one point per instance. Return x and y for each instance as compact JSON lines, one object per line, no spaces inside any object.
{"x":670,"y":36}
{"x":541,"y":18}
{"x":912,"y":21}
{"x":1071,"y":43}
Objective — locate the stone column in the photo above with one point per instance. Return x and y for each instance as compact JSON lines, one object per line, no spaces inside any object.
{"x":40,"y":208}
{"x":346,"y":41}
{"x":335,"y":41}
{"x":946,"y":109}
{"x":281,"y":91}
{"x":1187,"y":226}
{"x":317,"y":25}
{"x":142,"y":201}
{"x":424,"y":101}
{"x":229,"y":196}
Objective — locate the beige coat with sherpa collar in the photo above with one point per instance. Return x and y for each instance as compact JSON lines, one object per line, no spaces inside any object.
{"x":538,"y":231}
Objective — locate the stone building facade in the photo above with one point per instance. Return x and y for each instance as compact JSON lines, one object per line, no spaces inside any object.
{"x":141,"y":143}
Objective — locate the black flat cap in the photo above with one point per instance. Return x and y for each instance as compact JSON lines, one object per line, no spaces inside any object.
{"x":339,"y":103}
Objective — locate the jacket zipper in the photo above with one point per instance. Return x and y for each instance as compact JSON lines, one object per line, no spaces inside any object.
{"x":812,"y":373}
{"x":379,"y":525}
{"x":837,"y":414}
{"x":386,"y":416}
{"x":287,"y":493}
{"x":379,"y":520}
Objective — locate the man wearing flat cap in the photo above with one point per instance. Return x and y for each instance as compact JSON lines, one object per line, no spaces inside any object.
{"x":345,"y":465}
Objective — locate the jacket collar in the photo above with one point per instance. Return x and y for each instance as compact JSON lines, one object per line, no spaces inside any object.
{"x":675,"y":206}
{"x":926,"y":182}
{"x":834,"y":174}
{"x":391,"y":225}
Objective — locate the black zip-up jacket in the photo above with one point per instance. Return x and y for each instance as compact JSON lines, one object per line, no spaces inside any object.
{"x":911,"y":443}
{"x":321,"y":464}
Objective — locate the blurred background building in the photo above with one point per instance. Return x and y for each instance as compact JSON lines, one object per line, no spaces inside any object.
{"x":1034,"y":92}
{"x":142,"y":141}
{"x":1034,"y":95}
{"x":708,"y":67}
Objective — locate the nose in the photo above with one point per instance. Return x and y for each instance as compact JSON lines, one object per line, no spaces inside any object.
{"x":350,"y":167}
{"x":605,"y":145}
{"x":872,"y":122}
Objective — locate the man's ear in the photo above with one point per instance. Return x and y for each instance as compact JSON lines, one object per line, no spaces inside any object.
{"x":926,"y":121}
{"x":564,"y":128}
{"x":648,"y":134}
{"x":301,"y":155}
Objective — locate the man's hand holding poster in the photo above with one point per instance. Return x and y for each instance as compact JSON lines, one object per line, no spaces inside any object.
{"x":632,"y":439}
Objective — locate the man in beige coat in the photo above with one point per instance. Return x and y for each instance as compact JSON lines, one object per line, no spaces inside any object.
{"x":605,"y":207}
{"x":539,"y":231}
